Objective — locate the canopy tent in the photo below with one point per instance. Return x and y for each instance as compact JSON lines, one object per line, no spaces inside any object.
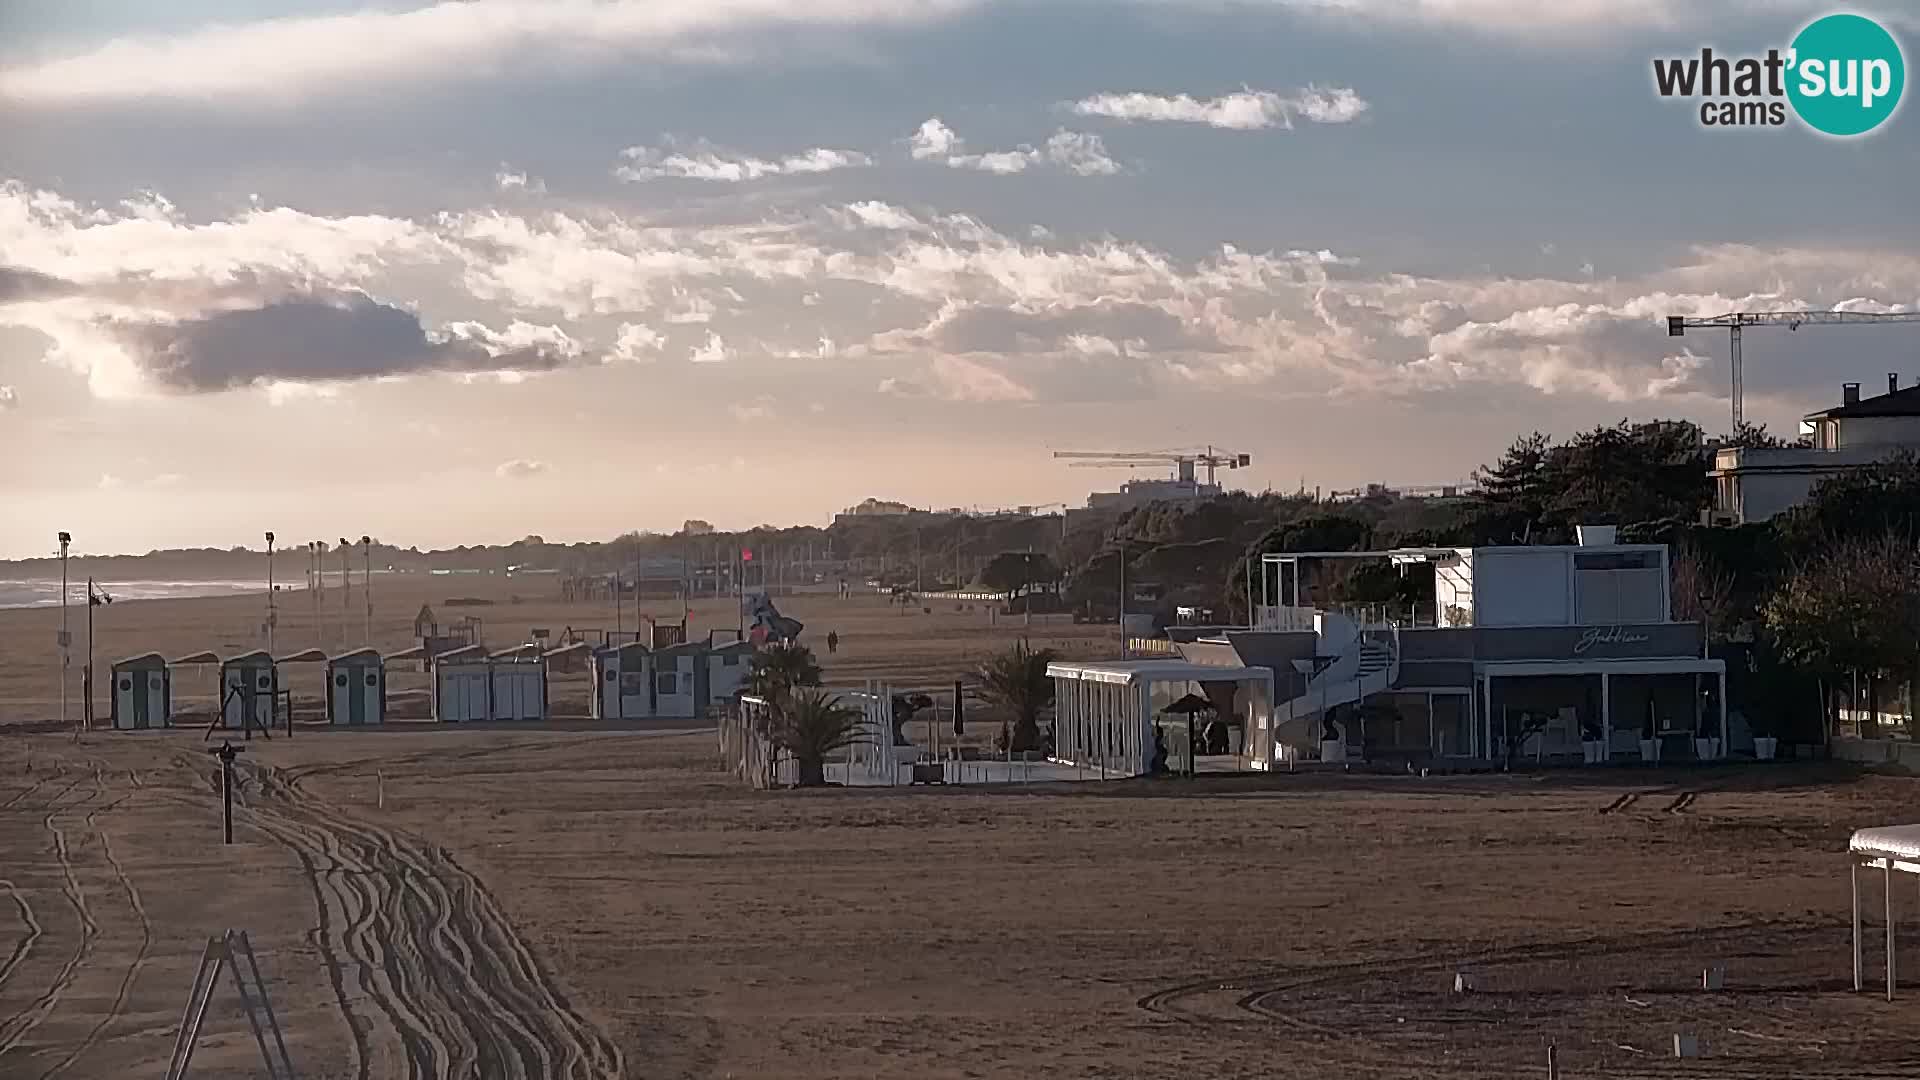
{"x":1104,"y":712}
{"x":1888,"y":849}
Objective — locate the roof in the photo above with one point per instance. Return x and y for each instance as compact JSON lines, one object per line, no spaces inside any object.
{"x":144,"y":660}
{"x":356,"y":654}
{"x":304,"y":656}
{"x":1898,"y":403}
{"x":562,"y":650}
{"x":1132,"y":672}
{"x":257,"y":656}
{"x":1894,"y":841}
{"x":205,"y":656}
{"x":462,"y":653}
{"x":417,"y":652}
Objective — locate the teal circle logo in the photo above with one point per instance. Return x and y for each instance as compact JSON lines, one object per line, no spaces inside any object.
{"x":1847,"y":75}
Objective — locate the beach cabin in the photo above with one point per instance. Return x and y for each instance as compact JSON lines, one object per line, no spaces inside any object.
{"x":462,"y":690}
{"x":679,"y":677}
{"x":727,"y":667}
{"x":357,"y":688}
{"x":622,"y":682}
{"x":519,"y":690}
{"x":142,"y":693}
{"x":249,"y":690}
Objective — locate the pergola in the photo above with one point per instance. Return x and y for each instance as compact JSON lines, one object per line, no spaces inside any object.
{"x":1888,"y":849}
{"x":1104,"y":711}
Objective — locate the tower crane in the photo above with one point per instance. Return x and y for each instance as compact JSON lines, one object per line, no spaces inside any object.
{"x":1183,"y":464}
{"x":1678,"y":325}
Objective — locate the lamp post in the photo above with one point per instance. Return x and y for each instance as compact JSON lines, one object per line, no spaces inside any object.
{"x":270,"y":619}
{"x":346,"y":589}
{"x":65,"y":639}
{"x":366,"y":583}
{"x":1123,"y":600}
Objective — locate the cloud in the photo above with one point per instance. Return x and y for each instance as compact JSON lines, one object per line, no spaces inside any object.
{"x":279,"y":62}
{"x":704,"y":161}
{"x":1248,"y":110}
{"x":323,"y":339}
{"x":507,"y":180}
{"x":519,"y":469}
{"x":933,"y":140}
{"x":9,"y":398}
{"x":635,"y":344}
{"x":110,"y":482}
{"x":20,"y":284}
{"x":714,"y":351}
{"x":951,"y":306}
{"x":1077,"y":152}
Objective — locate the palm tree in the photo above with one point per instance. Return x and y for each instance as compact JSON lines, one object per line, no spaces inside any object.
{"x":812,"y":725}
{"x":777,"y":672}
{"x":1016,"y":680}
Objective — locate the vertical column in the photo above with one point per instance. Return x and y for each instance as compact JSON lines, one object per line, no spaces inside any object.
{"x":1723,"y":713}
{"x":1606,"y":713}
{"x":1853,"y":871}
{"x":1886,"y":866}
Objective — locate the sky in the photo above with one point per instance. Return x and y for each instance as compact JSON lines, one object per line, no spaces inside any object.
{"x":459,"y":272}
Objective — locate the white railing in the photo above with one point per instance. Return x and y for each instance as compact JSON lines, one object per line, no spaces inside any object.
{"x":1283,"y":617}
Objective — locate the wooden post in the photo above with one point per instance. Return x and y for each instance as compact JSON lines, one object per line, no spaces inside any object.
{"x":1887,"y":865}
{"x":1553,"y":1063}
{"x":379,"y":789}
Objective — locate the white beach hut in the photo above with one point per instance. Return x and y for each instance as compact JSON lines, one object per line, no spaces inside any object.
{"x":249,"y":690}
{"x":357,"y":688}
{"x":142,"y":693}
{"x":622,"y":682}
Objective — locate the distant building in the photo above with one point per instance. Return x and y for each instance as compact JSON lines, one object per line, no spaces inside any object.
{"x":1754,"y":485}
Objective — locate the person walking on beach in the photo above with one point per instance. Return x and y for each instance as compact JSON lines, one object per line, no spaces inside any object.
{"x":833,"y":641}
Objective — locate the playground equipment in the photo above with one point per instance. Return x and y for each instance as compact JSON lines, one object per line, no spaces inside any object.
{"x":769,"y":626}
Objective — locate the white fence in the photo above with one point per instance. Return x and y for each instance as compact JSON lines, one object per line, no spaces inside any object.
{"x":874,"y":755}
{"x":746,"y":749}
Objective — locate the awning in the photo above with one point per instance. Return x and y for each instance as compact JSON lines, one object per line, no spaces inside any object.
{"x":1694,"y":665}
{"x":1133,"y":672}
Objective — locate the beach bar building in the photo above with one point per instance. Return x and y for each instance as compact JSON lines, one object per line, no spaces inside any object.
{"x":1563,"y":653}
{"x":249,"y":690}
{"x":357,"y":688}
{"x":142,"y":693}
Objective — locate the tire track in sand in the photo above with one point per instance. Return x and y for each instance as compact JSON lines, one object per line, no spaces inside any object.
{"x":25,"y":947}
{"x":433,"y":930}
{"x":22,"y":1023}
{"x":119,"y":1003}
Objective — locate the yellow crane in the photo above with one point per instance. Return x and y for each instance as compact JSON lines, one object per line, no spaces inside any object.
{"x":1735,"y":322}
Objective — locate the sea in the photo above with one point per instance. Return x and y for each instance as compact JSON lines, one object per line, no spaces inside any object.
{"x":39,"y":593}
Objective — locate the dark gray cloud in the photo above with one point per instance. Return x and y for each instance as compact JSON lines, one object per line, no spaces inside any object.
{"x":17,"y":284}
{"x":315,"y":339}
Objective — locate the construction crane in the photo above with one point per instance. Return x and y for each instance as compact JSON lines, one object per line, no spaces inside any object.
{"x":1678,"y":325}
{"x":1183,"y":464}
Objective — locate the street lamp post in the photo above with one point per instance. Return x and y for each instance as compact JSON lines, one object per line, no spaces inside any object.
{"x":65,"y":638}
{"x":366,"y":586}
{"x":270,"y":612}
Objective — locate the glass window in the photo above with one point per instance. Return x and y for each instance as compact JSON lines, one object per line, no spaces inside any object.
{"x":667,"y":683}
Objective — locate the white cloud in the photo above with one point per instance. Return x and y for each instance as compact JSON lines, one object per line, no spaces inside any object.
{"x":284,"y":392}
{"x":1077,"y":152}
{"x":704,"y":161}
{"x":636,"y":344}
{"x":1247,"y":110}
{"x":9,"y":398}
{"x":714,"y":351}
{"x":508,"y":180}
{"x":110,"y":482}
{"x":954,"y":307}
{"x":282,"y":61}
{"x":519,"y":469}
{"x":933,"y":140}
